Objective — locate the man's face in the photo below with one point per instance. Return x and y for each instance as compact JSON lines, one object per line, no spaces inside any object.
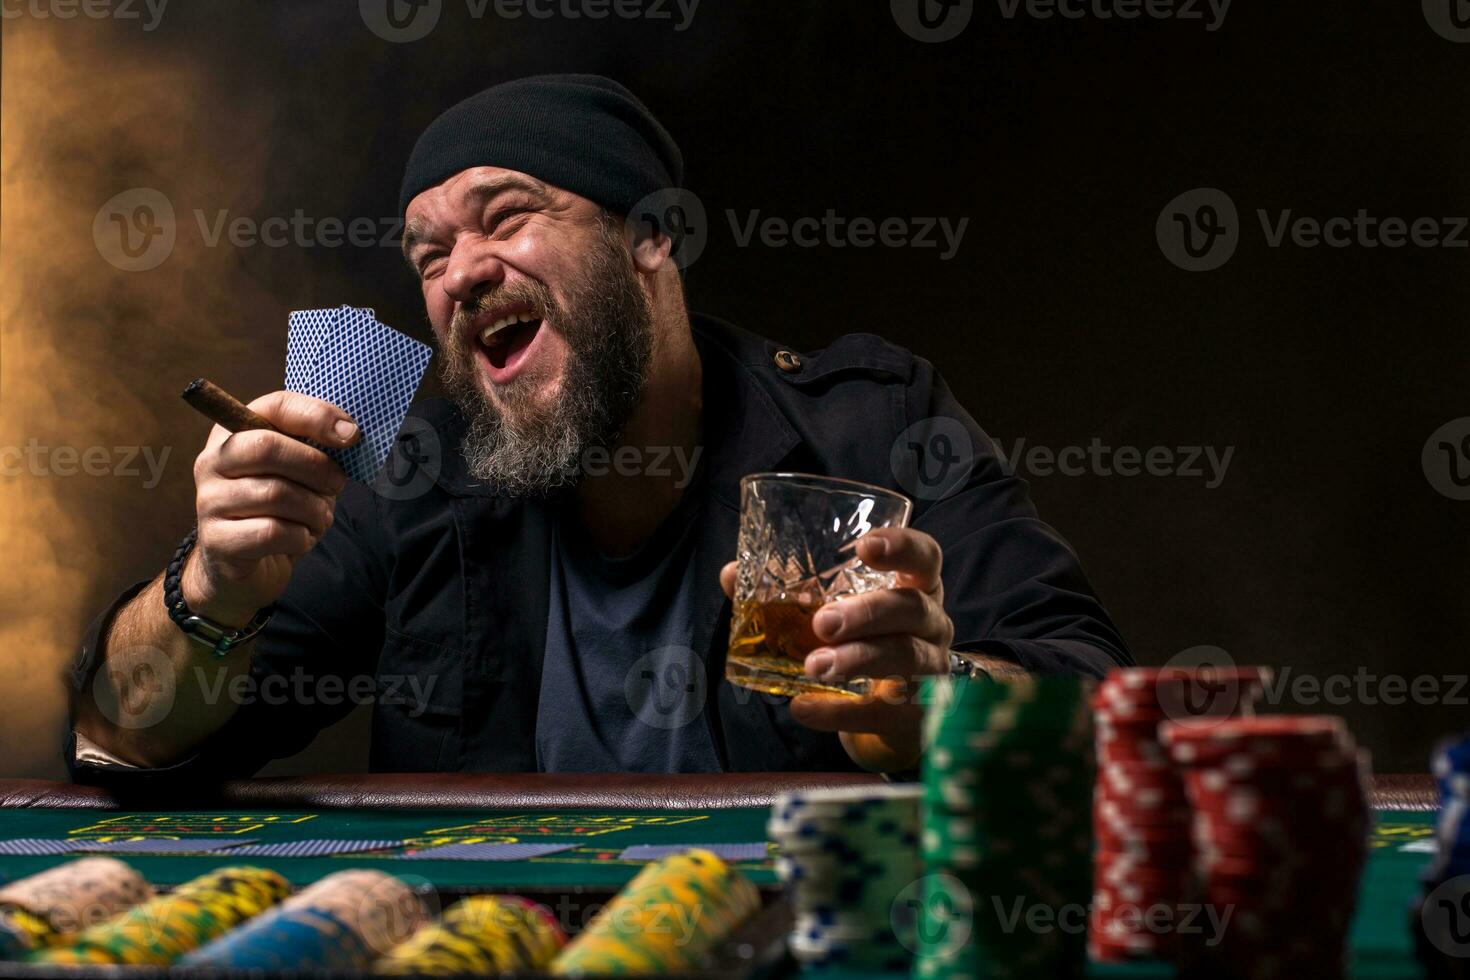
{"x":544,"y":328}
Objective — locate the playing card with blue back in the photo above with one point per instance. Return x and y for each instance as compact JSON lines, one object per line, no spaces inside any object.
{"x":369,"y":370}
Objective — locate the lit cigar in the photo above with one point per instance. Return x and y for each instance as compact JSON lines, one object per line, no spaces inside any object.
{"x":223,"y":408}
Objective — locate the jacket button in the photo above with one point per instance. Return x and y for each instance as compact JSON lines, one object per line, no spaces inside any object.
{"x":788,"y":361}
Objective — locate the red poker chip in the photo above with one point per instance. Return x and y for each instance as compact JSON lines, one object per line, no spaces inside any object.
{"x":1117,"y":869}
{"x":1156,"y":836}
{"x":1122,"y":815}
{"x":1143,"y":678}
{"x":1128,"y":777}
{"x":1141,"y":801}
{"x":1147,"y":829}
{"x":1158,"y":856}
{"x":1131,"y":751}
{"x":1282,"y":739}
{"x":1155,"y":763}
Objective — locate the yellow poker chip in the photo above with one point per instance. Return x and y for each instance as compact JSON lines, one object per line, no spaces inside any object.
{"x":669,"y":917}
{"x":161,"y":929}
{"x":481,"y":934}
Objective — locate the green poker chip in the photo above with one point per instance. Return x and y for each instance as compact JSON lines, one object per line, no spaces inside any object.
{"x":1008,"y":775}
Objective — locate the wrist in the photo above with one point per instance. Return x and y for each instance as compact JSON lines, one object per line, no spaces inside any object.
{"x":204,"y":597}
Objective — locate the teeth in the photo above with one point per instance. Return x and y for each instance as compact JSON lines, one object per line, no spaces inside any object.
{"x":488,"y":334}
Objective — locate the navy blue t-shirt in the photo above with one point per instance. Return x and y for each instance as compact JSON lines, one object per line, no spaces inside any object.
{"x":622,"y":687}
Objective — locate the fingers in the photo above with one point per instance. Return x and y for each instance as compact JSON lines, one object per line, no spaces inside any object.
{"x":262,"y":497}
{"x":890,"y":710}
{"x":914,"y":555}
{"x":727,"y":578}
{"x":303,"y":415}
{"x":899,"y":655}
{"x":883,"y":612}
{"x":254,"y":538}
{"x":258,"y":452}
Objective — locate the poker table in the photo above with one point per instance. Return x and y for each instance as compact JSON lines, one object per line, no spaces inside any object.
{"x":595,"y":819}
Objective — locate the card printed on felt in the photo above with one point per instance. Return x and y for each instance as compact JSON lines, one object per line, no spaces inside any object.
{"x":755,"y":851}
{"x":487,"y":852}
{"x":162,"y":845}
{"x":371,"y":372}
{"x":40,"y":846}
{"x":320,"y":847}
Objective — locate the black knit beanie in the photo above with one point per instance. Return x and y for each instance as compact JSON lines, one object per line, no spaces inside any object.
{"x":584,"y":133}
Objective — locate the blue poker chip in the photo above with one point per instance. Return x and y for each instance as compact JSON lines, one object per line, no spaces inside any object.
{"x":1451,"y":765}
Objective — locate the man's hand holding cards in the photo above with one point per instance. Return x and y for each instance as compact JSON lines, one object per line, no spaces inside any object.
{"x":265,"y":498}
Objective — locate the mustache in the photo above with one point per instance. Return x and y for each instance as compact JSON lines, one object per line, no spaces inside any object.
{"x":534,"y":294}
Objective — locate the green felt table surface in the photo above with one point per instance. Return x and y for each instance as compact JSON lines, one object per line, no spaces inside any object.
{"x":1381,"y":944}
{"x":594,"y":864}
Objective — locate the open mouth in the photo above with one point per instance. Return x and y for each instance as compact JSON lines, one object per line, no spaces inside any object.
{"x":506,"y":341}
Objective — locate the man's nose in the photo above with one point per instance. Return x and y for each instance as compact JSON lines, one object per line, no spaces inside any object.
{"x":473,"y":268}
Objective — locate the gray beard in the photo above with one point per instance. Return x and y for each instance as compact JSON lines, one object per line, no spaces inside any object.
{"x":531,"y":450}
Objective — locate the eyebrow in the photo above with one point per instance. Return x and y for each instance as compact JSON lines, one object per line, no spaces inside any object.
{"x":417,"y":232}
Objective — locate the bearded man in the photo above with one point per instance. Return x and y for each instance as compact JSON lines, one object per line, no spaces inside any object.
{"x":548,"y":589}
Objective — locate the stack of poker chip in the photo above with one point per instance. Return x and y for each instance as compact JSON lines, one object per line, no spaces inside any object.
{"x":46,"y":909}
{"x":846,"y":856}
{"x":1008,"y":773}
{"x":1141,"y":815}
{"x":162,"y":929}
{"x":1439,"y":935}
{"x":342,"y":922}
{"x":481,"y":936}
{"x":1281,"y":823}
{"x":669,"y":918}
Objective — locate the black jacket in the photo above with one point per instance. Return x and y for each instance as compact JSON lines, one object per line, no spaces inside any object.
{"x":434,"y":591}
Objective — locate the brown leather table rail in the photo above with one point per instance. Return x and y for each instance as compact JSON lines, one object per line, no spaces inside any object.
{"x":521,"y":790}
{"x":622,"y":791}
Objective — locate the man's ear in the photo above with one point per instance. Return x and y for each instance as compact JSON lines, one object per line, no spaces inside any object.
{"x":650,"y":252}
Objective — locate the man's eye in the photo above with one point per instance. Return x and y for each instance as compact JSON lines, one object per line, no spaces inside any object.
{"x":504,"y":215}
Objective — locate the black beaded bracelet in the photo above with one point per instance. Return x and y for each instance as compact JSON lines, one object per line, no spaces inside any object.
{"x":220,"y":639}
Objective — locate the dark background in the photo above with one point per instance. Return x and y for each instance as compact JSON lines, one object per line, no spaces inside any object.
{"x":1326,"y":549}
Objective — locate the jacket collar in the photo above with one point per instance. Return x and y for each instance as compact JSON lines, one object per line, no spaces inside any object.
{"x":744,"y":431}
